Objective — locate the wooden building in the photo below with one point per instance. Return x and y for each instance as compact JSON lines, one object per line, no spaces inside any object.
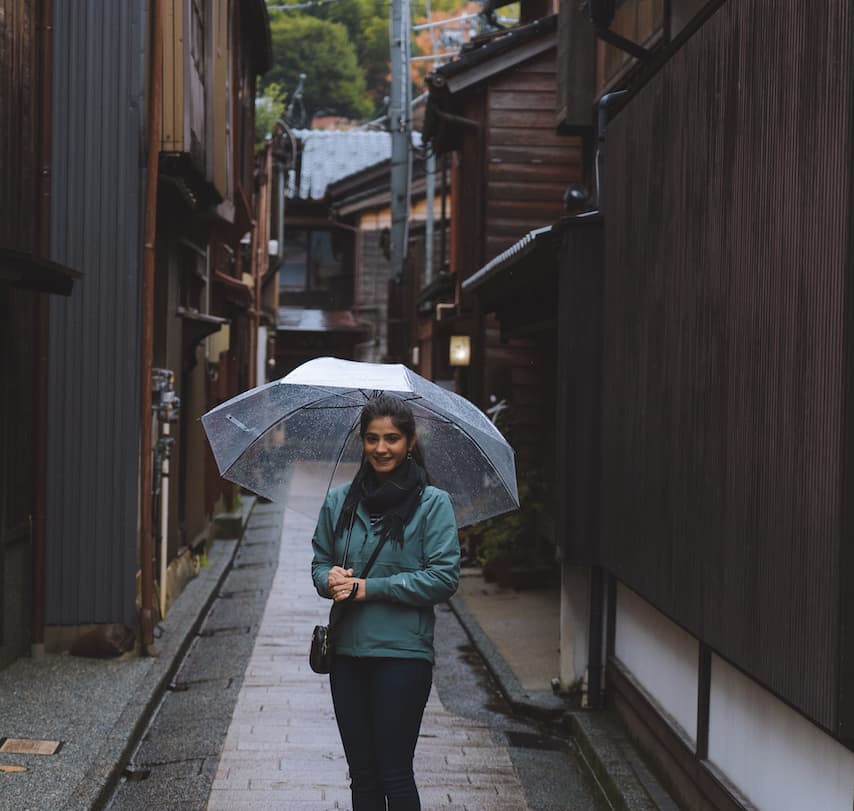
{"x":405,"y":319}
{"x":711,"y":331}
{"x":73,"y":191}
{"x":213,"y":240}
{"x":493,"y":109}
{"x":27,"y":279}
{"x":318,"y":305}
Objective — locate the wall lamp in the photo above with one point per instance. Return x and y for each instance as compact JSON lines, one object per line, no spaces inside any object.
{"x":460,"y":354}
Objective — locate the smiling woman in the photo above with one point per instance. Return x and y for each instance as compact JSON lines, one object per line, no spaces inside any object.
{"x":382,"y":642}
{"x":385,"y":446}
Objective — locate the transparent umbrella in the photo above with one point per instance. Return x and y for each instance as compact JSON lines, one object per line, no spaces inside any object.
{"x":293,"y":439}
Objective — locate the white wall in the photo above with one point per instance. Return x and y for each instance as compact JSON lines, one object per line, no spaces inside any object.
{"x":774,"y":756}
{"x":574,"y":622}
{"x":660,"y":655}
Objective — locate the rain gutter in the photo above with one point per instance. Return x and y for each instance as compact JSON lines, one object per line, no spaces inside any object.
{"x":146,"y":538}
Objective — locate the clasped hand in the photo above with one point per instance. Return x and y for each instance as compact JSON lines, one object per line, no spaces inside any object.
{"x":344,"y":586}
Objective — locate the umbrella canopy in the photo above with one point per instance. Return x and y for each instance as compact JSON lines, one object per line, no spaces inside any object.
{"x":293,"y":439}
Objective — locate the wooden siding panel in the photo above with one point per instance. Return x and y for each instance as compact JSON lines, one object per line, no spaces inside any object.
{"x":727,"y":267}
{"x":18,"y":125}
{"x":528,"y":165}
{"x":219,"y":99}
{"x":569,"y":152}
{"x":168,"y":122}
{"x":540,"y":118}
{"x":531,"y":174}
{"x":525,"y":98}
{"x":531,"y":190}
{"x":521,"y":136}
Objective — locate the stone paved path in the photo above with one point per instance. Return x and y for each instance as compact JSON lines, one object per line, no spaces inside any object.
{"x":282,"y":750}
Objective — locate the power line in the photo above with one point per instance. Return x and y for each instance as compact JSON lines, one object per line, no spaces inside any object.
{"x":298,"y":6}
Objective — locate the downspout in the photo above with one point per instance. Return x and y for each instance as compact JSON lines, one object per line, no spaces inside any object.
{"x":146,"y":538}
{"x":443,"y":244}
{"x":602,"y":120}
{"x":39,"y":534}
{"x":428,"y":223}
{"x":595,"y":658}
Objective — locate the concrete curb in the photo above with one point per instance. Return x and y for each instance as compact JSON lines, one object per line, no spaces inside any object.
{"x":179,"y":629}
{"x":604,"y":746}
{"x":542,"y":705}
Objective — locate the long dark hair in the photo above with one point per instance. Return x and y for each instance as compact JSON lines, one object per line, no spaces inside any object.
{"x":401,"y":415}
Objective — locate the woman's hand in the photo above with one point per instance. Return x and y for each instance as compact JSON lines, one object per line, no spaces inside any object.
{"x":342,"y":590}
{"x":337,"y":575}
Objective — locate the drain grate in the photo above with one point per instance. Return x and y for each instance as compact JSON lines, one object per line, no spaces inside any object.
{"x":530,"y":740}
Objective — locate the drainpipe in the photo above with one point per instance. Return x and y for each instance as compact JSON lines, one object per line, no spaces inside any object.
{"x":146,"y":538}
{"x":428,"y":224}
{"x":443,"y":243}
{"x":39,"y":533}
{"x":604,"y":103}
{"x":595,"y":664}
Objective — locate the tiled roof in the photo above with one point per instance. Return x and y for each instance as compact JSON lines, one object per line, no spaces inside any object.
{"x":330,"y":155}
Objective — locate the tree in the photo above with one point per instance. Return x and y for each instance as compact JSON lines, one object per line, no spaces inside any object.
{"x":322,"y":51}
{"x":269,"y":108}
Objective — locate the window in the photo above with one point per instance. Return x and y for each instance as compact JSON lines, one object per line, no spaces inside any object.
{"x":317,"y":268}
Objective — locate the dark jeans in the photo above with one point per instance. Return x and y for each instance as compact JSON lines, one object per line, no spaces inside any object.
{"x":379,"y":704}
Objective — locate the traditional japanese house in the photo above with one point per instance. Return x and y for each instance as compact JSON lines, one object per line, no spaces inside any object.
{"x":715,"y":365}
{"x":319,"y":267}
{"x":212,"y":243}
{"x":493,"y":111}
{"x":74,"y":197}
{"x":402,"y":316}
{"x":28,"y":278}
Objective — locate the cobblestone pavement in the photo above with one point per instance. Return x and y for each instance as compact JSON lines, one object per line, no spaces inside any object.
{"x":282,"y":749}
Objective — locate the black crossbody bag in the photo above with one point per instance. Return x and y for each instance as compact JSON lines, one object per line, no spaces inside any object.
{"x":321,"y":652}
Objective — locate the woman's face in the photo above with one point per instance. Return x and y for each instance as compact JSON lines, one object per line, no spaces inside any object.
{"x":385,"y":445}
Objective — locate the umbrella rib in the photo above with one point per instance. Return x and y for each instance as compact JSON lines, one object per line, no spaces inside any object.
{"x":483,"y":452}
{"x":277,"y":421}
{"x":340,"y":455}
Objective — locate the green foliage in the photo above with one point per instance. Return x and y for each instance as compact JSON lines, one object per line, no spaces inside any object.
{"x":511,"y":537}
{"x":320,"y":49}
{"x":269,"y":108}
{"x":367,"y":33}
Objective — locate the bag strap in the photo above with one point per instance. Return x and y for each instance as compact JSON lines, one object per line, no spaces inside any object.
{"x":365,"y":571}
{"x":372,"y":558}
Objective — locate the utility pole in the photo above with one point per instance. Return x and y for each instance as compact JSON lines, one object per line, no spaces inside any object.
{"x":400,"y":124}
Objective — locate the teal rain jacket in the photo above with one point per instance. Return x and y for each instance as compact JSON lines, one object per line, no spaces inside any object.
{"x":405,"y":582}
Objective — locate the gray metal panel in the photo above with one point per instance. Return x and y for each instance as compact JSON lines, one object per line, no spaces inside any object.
{"x":96,"y":227}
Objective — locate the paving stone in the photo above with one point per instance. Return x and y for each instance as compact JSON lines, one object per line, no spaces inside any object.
{"x":282,"y":749}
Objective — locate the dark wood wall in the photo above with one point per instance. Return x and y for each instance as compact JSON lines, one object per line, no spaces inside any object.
{"x":727,"y":356}
{"x":528,"y":165}
{"x":19,"y":124}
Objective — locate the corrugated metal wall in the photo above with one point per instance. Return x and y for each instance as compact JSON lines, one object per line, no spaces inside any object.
{"x":728,"y":206}
{"x":94,"y":387}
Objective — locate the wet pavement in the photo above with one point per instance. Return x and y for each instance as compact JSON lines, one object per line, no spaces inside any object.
{"x":229,"y":716}
{"x":255,"y":727}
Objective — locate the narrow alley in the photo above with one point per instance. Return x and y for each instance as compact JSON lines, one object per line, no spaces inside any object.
{"x":280,"y":747}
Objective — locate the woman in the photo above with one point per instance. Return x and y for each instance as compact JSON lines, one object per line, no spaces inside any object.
{"x":383,"y":635}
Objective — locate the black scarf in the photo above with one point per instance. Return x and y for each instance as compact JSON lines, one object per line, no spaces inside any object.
{"x":395,"y":498}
